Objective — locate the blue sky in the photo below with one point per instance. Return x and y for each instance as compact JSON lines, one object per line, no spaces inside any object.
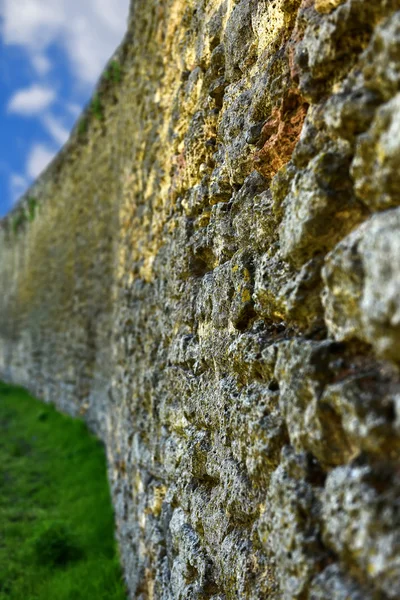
{"x":51,"y":55}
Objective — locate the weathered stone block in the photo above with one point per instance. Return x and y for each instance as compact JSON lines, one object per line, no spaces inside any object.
{"x":362,"y":282}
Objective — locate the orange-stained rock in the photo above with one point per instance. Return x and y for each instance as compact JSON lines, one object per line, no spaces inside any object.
{"x":282,"y":132}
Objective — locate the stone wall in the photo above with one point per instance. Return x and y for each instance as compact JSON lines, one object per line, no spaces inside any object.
{"x":211,"y":276}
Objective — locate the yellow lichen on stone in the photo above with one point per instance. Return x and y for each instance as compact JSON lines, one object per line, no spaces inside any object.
{"x":327,"y":6}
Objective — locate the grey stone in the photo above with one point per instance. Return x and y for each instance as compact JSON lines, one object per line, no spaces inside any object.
{"x":361,"y":523}
{"x":367,"y":306}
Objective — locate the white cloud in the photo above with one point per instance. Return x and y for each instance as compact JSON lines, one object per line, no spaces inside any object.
{"x":56,"y":129}
{"x":88,"y":30}
{"x":74,"y":109}
{"x":31,"y":101}
{"x":41,"y":64}
{"x":38,"y":159}
{"x":18,"y":185}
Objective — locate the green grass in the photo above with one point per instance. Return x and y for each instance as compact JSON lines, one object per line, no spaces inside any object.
{"x":56,"y":518}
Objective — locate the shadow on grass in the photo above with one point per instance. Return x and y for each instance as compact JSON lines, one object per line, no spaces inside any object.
{"x":56,"y":518}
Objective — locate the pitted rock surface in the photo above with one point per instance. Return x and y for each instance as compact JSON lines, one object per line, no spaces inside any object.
{"x":209,"y":274}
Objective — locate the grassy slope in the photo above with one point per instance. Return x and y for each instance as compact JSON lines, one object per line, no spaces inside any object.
{"x":56,"y":519}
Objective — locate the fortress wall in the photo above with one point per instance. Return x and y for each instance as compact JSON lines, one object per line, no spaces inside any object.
{"x":212,"y":279}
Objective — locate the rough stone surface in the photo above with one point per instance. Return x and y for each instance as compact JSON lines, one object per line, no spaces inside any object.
{"x":368,"y":305}
{"x":209,"y":274}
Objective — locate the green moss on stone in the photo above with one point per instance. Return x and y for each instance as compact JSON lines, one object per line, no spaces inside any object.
{"x":18,"y":221}
{"x":82,"y":126}
{"x":97,"y":108}
{"x":32,"y":207}
{"x":114,"y":72}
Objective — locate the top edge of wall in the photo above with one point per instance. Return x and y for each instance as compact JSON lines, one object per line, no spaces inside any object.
{"x":110,"y":80}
